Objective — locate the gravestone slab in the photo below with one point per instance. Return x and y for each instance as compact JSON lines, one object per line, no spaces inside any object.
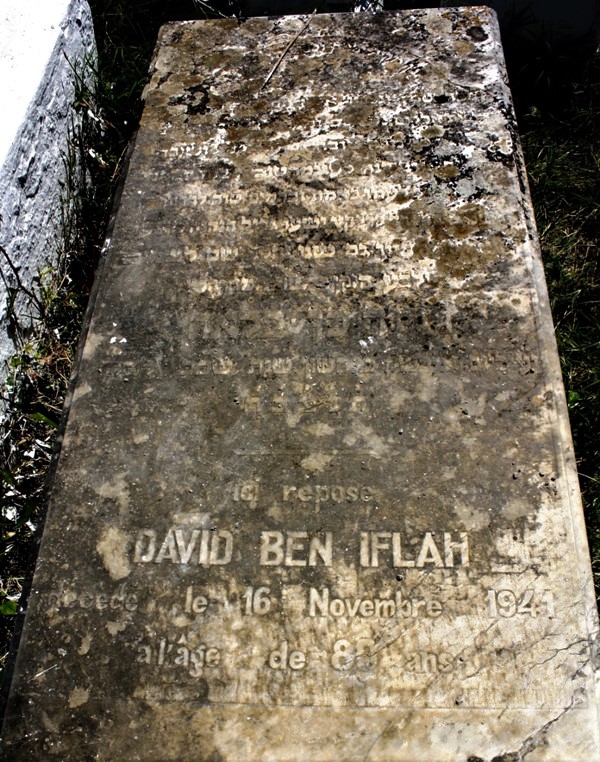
{"x":316,"y":496}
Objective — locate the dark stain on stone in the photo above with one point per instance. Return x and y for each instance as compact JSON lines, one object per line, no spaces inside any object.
{"x":455,"y":133}
{"x":195,"y":99}
{"x":197,"y":102}
{"x":477,"y":33}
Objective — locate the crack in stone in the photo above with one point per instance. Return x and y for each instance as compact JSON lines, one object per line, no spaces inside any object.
{"x":468,"y":646}
{"x":386,"y":727}
{"x":532,"y":742}
{"x":567,"y":648}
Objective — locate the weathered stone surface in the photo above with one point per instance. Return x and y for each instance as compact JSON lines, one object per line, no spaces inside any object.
{"x":47,"y":50}
{"x":317,"y":497}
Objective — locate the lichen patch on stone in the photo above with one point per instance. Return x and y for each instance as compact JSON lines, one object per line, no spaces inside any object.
{"x":112,"y":547}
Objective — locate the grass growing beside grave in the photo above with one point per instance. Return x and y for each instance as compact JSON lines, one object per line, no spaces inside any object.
{"x":562,"y":147}
{"x":562,"y":153}
{"x":46,"y":333}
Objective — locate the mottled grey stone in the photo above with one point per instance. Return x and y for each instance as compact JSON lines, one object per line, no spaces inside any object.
{"x":47,"y":52}
{"x":317,"y":497}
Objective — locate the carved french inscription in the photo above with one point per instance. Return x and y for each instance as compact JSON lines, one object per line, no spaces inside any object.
{"x":316,"y":498}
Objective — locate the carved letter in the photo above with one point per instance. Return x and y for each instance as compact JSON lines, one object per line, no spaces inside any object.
{"x":145,"y":547}
{"x":271,"y":548}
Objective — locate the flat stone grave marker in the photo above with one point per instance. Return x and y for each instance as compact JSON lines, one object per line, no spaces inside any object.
{"x":316,"y":496}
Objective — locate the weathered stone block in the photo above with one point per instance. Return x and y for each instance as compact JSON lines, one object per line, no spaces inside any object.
{"x":317,"y":497}
{"x":45,"y":48}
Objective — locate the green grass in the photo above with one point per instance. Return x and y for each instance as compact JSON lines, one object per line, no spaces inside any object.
{"x":559,"y":116}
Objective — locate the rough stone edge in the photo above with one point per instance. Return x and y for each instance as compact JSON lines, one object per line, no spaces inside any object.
{"x":564,"y":449}
{"x":10,"y":664}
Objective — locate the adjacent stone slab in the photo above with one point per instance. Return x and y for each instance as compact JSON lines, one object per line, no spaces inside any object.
{"x":47,"y":50}
{"x":317,"y":497}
